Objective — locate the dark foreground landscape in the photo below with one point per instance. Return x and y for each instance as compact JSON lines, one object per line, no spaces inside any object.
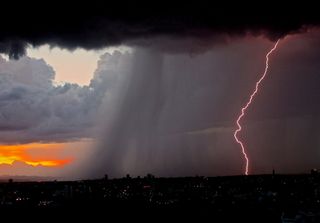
{"x":260,"y":198}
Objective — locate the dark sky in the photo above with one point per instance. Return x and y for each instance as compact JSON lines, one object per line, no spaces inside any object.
{"x":137,"y":23}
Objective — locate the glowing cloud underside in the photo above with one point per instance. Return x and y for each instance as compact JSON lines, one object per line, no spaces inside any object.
{"x":243,"y":109}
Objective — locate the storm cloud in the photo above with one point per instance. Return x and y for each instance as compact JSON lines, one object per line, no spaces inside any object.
{"x":173,"y":28}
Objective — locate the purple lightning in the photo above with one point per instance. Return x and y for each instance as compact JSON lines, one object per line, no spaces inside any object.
{"x":243,"y":110}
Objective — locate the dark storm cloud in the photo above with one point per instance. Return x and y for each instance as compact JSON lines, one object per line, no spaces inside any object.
{"x":198,"y":23}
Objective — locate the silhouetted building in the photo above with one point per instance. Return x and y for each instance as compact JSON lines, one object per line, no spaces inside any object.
{"x":314,"y":172}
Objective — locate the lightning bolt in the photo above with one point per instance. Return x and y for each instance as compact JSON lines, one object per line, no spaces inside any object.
{"x":243,"y":109}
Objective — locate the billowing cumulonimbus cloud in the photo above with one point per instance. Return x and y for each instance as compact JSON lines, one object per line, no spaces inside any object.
{"x":34,"y":109}
{"x":198,"y":24}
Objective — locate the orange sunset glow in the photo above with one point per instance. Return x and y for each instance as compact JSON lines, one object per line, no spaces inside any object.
{"x":33,"y":154}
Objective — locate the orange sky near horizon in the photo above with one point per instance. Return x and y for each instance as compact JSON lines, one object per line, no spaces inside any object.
{"x":44,"y":159}
{"x":34,"y":154}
